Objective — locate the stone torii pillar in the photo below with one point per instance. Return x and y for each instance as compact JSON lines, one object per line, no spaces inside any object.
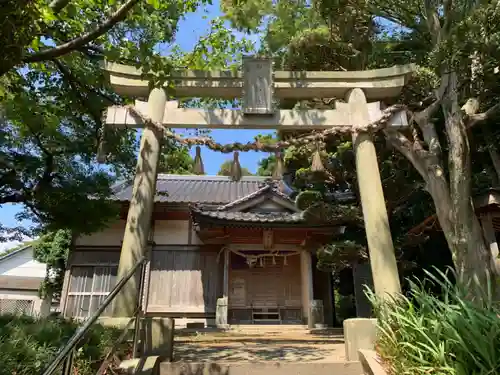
{"x":361,"y":333}
{"x":378,"y":233}
{"x":135,"y":239}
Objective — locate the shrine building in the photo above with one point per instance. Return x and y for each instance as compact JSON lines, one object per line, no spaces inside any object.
{"x":221,"y":252}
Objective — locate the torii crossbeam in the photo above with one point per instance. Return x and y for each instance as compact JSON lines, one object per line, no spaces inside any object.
{"x":258,"y":86}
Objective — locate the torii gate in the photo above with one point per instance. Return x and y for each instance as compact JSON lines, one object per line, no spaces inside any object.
{"x":257,"y":85}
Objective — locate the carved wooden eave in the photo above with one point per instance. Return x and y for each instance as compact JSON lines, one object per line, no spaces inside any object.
{"x":308,"y":238}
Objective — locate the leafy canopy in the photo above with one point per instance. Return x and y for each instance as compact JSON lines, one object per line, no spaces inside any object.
{"x":53,"y":94}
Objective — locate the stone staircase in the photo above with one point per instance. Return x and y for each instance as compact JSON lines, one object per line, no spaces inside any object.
{"x":260,"y":350}
{"x":260,"y":368}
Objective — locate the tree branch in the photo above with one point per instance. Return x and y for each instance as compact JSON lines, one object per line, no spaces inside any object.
{"x":484,"y":117}
{"x":76,"y":85}
{"x":423,"y":120}
{"x":403,"y":145}
{"x":80,"y":41}
{"x":432,"y":20}
{"x":12,"y":198}
{"x":425,"y":115}
{"x":448,"y":15}
{"x":47,"y":175}
{"x":402,"y":16}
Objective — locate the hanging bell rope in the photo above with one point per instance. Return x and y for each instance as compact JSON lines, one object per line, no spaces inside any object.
{"x":316,"y":164}
{"x":198,"y":167}
{"x":278,"y":167}
{"x":236,"y":172}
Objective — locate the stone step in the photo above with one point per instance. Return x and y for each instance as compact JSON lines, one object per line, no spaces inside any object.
{"x":293,"y":347}
{"x":268,"y":328}
{"x":261,"y":368}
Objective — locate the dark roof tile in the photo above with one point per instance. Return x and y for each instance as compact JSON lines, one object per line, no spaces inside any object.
{"x":255,"y":217}
{"x":270,"y":188}
{"x":20,"y":283}
{"x":197,"y":189}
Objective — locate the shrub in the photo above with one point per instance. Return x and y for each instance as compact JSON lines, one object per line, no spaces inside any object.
{"x":446,"y":335}
{"x":27,"y":344}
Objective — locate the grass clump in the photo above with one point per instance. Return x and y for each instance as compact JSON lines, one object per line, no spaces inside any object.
{"x":28,"y":344}
{"x":446,"y":334}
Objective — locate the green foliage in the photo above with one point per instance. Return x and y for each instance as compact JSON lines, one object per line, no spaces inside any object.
{"x":225,"y":169}
{"x":176,"y":159}
{"x":307,"y":198}
{"x":341,"y":254}
{"x":27,"y":345}
{"x":52,"y":105}
{"x":345,"y":35}
{"x":425,"y":333}
{"x":17,"y":30}
{"x":345,"y":307}
{"x":267,"y":164}
{"x":53,"y":250}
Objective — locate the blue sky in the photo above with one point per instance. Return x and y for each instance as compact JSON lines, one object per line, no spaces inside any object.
{"x":190,"y":30}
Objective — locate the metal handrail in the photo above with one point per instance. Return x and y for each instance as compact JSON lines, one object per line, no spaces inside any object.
{"x":67,"y":350}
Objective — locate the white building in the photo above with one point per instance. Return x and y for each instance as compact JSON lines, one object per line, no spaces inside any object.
{"x":20,"y":279}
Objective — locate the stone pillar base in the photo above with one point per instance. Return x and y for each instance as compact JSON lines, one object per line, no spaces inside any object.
{"x":359,"y":333}
{"x":221,"y":313}
{"x":159,"y":337}
{"x":316,"y":314}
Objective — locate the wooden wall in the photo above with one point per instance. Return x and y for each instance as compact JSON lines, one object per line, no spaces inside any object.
{"x":184,"y":281}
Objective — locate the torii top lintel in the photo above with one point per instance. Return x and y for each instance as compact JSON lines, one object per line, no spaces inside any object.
{"x":377,"y":84}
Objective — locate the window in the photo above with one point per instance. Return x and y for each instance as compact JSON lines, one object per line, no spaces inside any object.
{"x":88,"y":287}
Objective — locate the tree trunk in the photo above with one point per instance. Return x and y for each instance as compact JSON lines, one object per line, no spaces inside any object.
{"x":471,"y":256}
{"x":454,"y":206}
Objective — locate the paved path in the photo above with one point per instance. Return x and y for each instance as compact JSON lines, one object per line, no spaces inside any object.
{"x":290,"y":347}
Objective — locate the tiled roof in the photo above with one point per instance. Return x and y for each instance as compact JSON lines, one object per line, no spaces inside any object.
{"x":20,"y":283}
{"x":250,"y":217}
{"x":13,"y":253}
{"x":197,"y":189}
{"x":270,"y":188}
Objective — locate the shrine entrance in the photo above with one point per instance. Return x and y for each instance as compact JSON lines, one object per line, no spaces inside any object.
{"x":267,"y":290}
{"x":358,"y":111}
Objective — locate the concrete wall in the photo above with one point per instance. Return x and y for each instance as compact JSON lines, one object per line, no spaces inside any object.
{"x":21,"y":266}
{"x":175,"y":232}
{"x":111,"y":236}
{"x":165,"y":232}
